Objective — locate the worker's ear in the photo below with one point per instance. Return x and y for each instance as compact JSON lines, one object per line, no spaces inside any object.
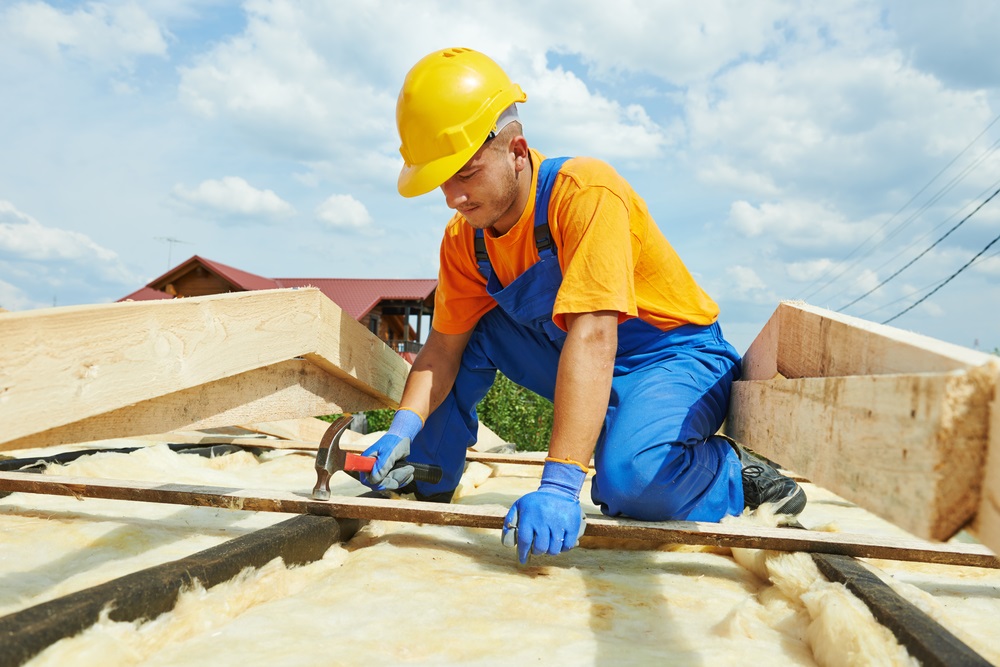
{"x":519,"y":152}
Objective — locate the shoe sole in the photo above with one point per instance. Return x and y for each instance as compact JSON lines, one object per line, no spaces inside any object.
{"x":793,"y":505}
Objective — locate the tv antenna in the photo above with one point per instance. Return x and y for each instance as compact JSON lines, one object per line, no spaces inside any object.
{"x":170,"y":241}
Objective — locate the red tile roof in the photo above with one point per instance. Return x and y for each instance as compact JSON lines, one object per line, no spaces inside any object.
{"x":244,"y":279}
{"x":356,"y":296}
{"x":146,"y":294}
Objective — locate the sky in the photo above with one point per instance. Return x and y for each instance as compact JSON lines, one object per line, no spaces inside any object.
{"x":788,"y":150}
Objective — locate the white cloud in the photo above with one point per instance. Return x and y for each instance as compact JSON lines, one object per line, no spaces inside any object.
{"x":572,"y":116}
{"x":110,"y":34}
{"x":13,"y":298}
{"x":344,"y":211}
{"x":24,"y":239}
{"x":296,"y":80}
{"x":797,"y":224}
{"x":743,"y":283}
{"x":233,"y":196}
{"x":680,"y":42}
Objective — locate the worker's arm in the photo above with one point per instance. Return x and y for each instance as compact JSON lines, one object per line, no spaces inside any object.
{"x":430,"y":379}
{"x":434,"y":372}
{"x":550,"y":520}
{"x":583,"y":384}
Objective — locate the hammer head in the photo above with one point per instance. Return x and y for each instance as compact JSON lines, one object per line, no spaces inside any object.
{"x":330,"y":458}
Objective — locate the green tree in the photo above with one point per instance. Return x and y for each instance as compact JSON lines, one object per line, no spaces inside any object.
{"x":514,"y":413}
{"x":517,"y":415}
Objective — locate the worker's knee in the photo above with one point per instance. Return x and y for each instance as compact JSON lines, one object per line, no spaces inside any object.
{"x":645,"y":486}
{"x":667,"y":482}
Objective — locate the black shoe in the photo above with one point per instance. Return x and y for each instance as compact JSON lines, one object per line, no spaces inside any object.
{"x":762,"y":483}
{"x":442,"y":497}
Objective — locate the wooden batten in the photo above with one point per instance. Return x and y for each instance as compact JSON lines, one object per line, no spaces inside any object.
{"x":306,"y":429}
{"x":62,"y":366}
{"x":898,"y":423}
{"x":280,"y":392}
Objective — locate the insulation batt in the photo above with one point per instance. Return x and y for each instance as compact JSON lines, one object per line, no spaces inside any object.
{"x":434,"y":595}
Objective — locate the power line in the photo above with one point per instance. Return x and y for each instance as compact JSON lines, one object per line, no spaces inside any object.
{"x":923,"y":289}
{"x":926,"y":250}
{"x":945,"y":282}
{"x":896,"y":214}
{"x":913,"y":216}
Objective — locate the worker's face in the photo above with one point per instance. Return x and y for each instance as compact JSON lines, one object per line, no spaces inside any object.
{"x":485,"y":190}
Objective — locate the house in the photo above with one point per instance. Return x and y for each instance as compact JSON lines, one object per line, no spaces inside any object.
{"x":385,"y":306}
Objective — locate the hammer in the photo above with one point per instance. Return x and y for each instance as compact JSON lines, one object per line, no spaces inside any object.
{"x":330,"y":458}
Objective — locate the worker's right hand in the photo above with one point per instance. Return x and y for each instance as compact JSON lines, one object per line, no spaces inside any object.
{"x":390,"y":449}
{"x":549,"y":520}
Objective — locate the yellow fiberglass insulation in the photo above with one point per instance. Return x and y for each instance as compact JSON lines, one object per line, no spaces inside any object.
{"x":411,"y":594}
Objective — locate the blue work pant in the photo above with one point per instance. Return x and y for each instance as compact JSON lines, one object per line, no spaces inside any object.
{"x":656,"y":458}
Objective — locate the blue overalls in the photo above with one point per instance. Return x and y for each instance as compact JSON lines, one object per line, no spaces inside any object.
{"x":656,"y":458}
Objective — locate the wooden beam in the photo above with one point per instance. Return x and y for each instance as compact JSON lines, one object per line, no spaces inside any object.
{"x":148,"y":593}
{"x":896,"y":422}
{"x":806,"y":341}
{"x":281,"y":391}
{"x":63,"y":365}
{"x":987,"y":523}
{"x":307,"y":429}
{"x":924,"y":638}
{"x":492,"y":516}
{"x":909,"y":448}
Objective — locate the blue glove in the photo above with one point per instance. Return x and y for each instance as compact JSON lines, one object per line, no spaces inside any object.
{"x":549,"y":520}
{"x":389,"y":449}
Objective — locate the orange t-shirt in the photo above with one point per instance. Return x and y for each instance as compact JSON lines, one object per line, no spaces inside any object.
{"x":612,"y":256}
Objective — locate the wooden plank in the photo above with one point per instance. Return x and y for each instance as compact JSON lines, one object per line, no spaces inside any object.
{"x":492,"y":516}
{"x":924,"y":638}
{"x":90,"y":360}
{"x":909,"y":448}
{"x":308,"y":429}
{"x":148,"y":593}
{"x":806,"y":341}
{"x":987,"y":524}
{"x":280,"y":391}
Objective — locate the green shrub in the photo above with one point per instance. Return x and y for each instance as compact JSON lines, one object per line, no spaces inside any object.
{"x":511,"y":411}
{"x":517,"y":415}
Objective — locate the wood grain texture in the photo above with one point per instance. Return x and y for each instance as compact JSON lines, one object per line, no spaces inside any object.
{"x":806,"y":341}
{"x":897,"y":422}
{"x":492,"y":516}
{"x":64,"y":365}
{"x":987,"y":524}
{"x":281,"y":391}
{"x":909,"y":448}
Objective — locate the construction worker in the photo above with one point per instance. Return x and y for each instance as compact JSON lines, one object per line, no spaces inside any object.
{"x":554,"y":273}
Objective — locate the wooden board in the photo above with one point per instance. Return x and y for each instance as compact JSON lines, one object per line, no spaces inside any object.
{"x":909,"y":448}
{"x":800,"y":340}
{"x":987,"y":523}
{"x":899,"y":423}
{"x":280,"y":391}
{"x":307,"y":429}
{"x":924,"y":638}
{"x":64,"y":365}
{"x":150,"y":592}
{"x":492,"y":516}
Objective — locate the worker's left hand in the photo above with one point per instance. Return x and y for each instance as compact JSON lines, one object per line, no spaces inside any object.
{"x":550,"y":519}
{"x":391,"y":448}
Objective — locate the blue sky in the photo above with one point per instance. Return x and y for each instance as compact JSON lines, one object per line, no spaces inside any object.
{"x":788,"y":150}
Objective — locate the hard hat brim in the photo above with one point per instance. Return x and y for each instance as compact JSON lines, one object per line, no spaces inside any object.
{"x":418,"y":179}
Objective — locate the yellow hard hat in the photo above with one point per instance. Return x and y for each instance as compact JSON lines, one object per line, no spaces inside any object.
{"x":449,"y":104}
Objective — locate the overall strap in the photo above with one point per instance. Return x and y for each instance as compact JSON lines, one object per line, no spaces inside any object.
{"x":547,"y":172}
